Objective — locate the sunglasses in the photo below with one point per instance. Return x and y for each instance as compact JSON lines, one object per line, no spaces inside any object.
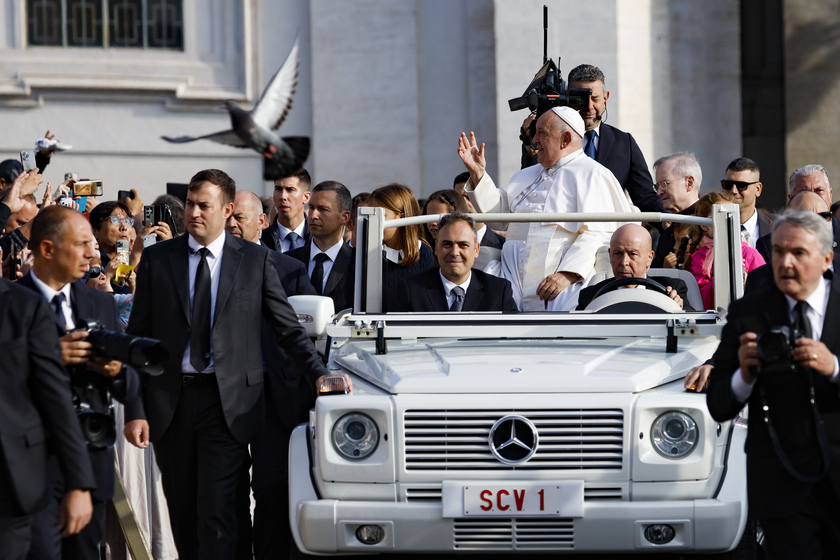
{"x":826,"y":216}
{"x":126,"y":221}
{"x":740,"y":185}
{"x":95,"y":271}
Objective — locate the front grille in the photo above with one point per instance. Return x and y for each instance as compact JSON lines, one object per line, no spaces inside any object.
{"x":514,"y":534}
{"x":569,"y":439}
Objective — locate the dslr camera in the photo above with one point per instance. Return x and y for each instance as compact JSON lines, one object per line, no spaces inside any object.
{"x":143,"y":354}
{"x":775,"y":350}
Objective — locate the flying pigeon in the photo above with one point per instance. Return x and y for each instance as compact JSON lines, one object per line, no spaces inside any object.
{"x":255,"y":129}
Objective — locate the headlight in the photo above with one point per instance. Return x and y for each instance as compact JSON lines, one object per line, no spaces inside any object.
{"x":674,"y":434}
{"x":355,"y":436}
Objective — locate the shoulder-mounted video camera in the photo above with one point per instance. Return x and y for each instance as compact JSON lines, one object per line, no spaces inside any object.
{"x":548,"y":89}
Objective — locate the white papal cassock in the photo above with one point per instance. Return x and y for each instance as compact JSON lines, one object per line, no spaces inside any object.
{"x":576,"y":183}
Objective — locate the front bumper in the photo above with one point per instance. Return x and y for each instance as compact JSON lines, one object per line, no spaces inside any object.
{"x":328,"y":526}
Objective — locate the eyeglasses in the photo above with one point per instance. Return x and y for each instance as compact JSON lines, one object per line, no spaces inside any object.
{"x":727,"y":185}
{"x":126,"y":221}
{"x":664,"y":184}
{"x":95,"y":271}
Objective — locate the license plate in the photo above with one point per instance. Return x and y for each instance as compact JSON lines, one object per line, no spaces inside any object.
{"x":523,"y":499}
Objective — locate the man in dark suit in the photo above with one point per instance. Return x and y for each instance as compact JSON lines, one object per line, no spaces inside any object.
{"x":63,"y":244}
{"x":742,"y":179}
{"x":630,"y":257}
{"x":204,"y":295}
{"x":614,"y":149}
{"x":329,"y":260}
{"x":795,"y":499}
{"x":36,"y":405}
{"x":678,"y":181}
{"x":289,"y":396}
{"x":803,"y":201}
{"x":290,"y":230}
{"x":455,"y":286}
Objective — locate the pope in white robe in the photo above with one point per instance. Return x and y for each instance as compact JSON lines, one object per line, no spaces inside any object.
{"x":548,"y":263}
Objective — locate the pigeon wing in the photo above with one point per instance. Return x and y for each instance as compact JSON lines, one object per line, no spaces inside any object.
{"x":276,"y":100}
{"x":227,"y":137}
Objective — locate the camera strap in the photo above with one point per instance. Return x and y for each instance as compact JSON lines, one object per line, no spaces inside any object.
{"x":822,"y":438}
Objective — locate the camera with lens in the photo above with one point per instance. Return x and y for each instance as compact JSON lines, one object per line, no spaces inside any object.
{"x":98,"y":428}
{"x":775,"y":350}
{"x":143,"y":354}
{"x":547,"y":90}
{"x":92,"y":392}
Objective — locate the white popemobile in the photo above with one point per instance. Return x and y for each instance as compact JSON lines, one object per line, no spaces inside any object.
{"x":537,"y":432}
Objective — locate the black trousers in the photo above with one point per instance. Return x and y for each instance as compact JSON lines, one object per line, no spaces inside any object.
{"x":813,"y":532}
{"x":200,"y":463}
{"x":270,"y":483}
{"x":15,"y":537}
{"x":47,"y":543}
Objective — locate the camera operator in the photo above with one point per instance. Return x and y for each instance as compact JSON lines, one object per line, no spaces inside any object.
{"x":793,"y":443}
{"x":63,"y":244}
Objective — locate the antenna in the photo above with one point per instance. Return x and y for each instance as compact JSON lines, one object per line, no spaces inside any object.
{"x":545,"y":33}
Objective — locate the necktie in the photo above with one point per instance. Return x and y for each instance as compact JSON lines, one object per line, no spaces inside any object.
{"x":802,"y":324}
{"x":318,"y":273}
{"x":459,"y":294}
{"x":200,"y":329}
{"x":745,"y":235}
{"x":294,"y":240}
{"x":590,"y":144}
{"x":58,"y":309}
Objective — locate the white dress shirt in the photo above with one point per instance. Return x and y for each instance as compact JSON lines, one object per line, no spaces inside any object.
{"x":214,"y":262}
{"x":284,"y":232}
{"x":448,"y":285}
{"x":49,"y":293}
{"x":751,"y":226}
{"x":331,"y":253}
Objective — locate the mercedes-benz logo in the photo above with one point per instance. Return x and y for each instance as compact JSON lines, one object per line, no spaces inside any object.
{"x":513,"y":440}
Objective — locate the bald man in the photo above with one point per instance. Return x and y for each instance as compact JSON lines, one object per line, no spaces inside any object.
{"x":803,"y":200}
{"x":631,"y":253}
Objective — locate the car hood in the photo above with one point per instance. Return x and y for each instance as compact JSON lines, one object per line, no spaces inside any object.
{"x":605,"y":365}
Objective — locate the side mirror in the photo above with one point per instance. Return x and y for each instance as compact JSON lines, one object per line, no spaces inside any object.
{"x":314,"y":313}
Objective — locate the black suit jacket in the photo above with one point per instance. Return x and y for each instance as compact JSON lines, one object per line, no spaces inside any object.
{"x":35,"y":401}
{"x":772,"y":491}
{"x":341,"y":281}
{"x":424,"y":292}
{"x":90,"y":304}
{"x":249,"y":289}
{"x":291,"y":392}
{"x":618,"y":152}
{"x":764,"y":244}
{"x":492,"y":239}
{"x":270,"y":236}
{"x":667,"y":244}
{"x":765,"y":222}
{"x":588,"y":294}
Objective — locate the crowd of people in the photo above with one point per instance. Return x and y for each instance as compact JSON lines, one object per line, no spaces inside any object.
{"x":212,"y":283}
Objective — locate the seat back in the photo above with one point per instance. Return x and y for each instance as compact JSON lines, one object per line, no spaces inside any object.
{"x":695,"y":300}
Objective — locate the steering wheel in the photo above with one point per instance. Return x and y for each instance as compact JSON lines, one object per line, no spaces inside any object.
{"x":632,"y":281}
{"x":654,"y":298}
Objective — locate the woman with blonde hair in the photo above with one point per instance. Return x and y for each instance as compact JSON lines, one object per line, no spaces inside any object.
{"x":405,"y":253}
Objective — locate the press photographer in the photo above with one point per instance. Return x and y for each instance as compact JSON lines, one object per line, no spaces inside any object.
{"x":63,"y":244}
{"x":778,"y":353}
